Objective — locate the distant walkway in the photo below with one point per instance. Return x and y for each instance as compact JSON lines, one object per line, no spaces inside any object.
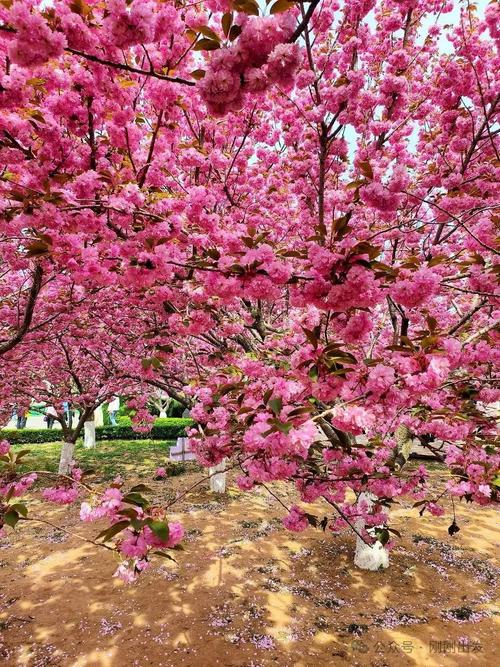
{"x":33,"y":421}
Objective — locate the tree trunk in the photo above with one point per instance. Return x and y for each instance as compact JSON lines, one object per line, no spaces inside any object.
{"x":369,"y":556}
{"x":218,"y":481}
{"x":163,"y":414}
{"x":89,"y":434}
{"x":66,"y":457}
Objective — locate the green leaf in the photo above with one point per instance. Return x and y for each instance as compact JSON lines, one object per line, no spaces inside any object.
{"x":113,"y":530}
{"x":164,"y":555}
{"x":383,"y":535}
{"x":198,"y":74}
{"x":137,"y":525}
{"x":20,"y":508}
{"x":155,"y":362}
{"x":21,"y":454}
{"x":206,"y":45}
{"x":160,"y":529}
{"x":366,"y":168}
{"x":36,"y":248}
{"x":341,"y":226}
{"x":227,"y":21}
{"x":135,"y":499}
{"x":234,"y":32}
{"x":35,"y":82}
{"x":305,"y":410}
{"x":364,"y":248}
{"x":128,"y":511}
{"x":312,"y":336}
{"x":267,"y":396}
{"x":247,"y":7}
{"x":166,"y":347}
{"x":396,"y":532}
{"x":208,"y":32}
{"x":313,"y":373}
{"x":282,"y":427}
{"x":141,"y":487}
{"x":281,"y":6}
{"x":275,"y":404}
{"x":11,"y":518}
{"x":438,"y":259}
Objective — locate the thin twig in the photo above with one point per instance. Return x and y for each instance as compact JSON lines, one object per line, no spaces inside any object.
{"x":68,"y":532}
{"x":341,"y":513}
{"x":129,"y":68}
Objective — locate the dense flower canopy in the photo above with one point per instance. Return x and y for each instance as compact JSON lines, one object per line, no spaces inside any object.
{"x":288,"y":214}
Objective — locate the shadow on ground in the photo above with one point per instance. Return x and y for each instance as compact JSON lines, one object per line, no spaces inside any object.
{"x":246,"y":592}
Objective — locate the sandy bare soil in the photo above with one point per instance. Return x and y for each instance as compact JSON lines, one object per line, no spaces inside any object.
{"x":246,"y":592}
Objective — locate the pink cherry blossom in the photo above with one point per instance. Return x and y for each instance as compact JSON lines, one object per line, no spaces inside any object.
{"x":295,"y":520}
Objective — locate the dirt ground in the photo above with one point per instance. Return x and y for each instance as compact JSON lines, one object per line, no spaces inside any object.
{"x":248,"y":593}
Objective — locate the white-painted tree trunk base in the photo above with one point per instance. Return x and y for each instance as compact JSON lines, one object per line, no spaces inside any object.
{"x":99,"y":416}
{"x":163,"y":414}
{"x":89,"y":435}
{"x":66,"y":458}
{"x":369,"y":556}
{"x":218,"y":481}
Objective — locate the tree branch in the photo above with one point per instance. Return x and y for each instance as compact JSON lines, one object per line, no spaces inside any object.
{"x":303,"y":24}
{"x":36,"y":286}
{"x":129,"y":68}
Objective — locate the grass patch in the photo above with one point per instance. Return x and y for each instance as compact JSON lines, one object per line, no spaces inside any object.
{"x":108,"y":459}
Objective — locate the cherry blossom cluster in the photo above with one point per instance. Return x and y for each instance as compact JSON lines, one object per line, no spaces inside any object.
{"x":262,"y":56}
{"x":67,"y":492}
{"x":475,"y":473}
{"x":143,"y":529}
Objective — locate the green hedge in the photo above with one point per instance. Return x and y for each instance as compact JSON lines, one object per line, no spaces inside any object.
{"x":30,"y":435}
{"x":163,"y":429}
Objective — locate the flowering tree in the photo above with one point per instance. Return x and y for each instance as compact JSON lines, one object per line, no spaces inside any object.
{"x":301,"y":205}
{"x":76,"y":361}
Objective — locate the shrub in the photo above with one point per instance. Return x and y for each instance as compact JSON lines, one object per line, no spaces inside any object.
{"x":30,"y":435}
{"x":163,"y":429}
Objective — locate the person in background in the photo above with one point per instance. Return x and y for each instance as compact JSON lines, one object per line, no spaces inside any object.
{"x":21,"y":420}
{"x":113,"y":408}
{"x":68,"y":414}
{"x":50,"y":416}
